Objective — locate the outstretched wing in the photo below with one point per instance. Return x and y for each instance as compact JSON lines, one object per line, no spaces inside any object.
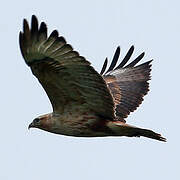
{"x":128,"y":83}
{"x":67,"y":77}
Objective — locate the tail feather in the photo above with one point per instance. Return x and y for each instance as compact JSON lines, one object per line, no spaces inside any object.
{"x":122,"y":129}
{"x":150,"y":134}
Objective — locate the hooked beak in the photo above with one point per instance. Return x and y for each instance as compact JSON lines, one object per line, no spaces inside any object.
{"x":31,"y":125}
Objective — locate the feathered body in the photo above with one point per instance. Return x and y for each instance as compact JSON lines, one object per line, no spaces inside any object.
{"x":85,"y":103}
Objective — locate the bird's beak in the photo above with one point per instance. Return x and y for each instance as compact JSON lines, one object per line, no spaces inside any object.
{"x":31,"y":125}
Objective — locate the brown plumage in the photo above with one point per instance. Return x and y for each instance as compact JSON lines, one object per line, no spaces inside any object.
{"x":85,"y":103}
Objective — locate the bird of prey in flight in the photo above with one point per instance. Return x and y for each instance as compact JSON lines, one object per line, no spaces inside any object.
{"x":85,"y":103}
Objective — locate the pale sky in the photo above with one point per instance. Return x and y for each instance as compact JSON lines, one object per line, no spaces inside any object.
{"x":95,"y":29}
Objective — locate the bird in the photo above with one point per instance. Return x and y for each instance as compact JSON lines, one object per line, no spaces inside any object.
{"x":85,"y":103}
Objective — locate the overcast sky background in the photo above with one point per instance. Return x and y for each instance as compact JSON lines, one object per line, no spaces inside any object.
{"x":95,"y":29}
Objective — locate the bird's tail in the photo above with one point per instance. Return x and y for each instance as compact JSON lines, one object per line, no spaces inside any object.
{"x":122,"y":129}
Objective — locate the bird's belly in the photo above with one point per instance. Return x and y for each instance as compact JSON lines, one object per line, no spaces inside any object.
{"x":79,"y":126}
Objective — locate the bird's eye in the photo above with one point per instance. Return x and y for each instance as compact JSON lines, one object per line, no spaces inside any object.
{"x":36,"y":120}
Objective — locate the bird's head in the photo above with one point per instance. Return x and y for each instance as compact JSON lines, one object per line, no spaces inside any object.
{"x":42,"y":122}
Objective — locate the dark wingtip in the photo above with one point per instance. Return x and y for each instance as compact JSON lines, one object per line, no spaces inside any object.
{"x":54,"y":34}
{"x":25,"y":26}
{"x":61,"y":39}
{"x":150,"y":62}
{"x":34,"y":19}
{"x":132,"y":48}
{"x":25,"y":21}
{"x":135,"y":61}
{"x":114,"y":60}
{"x":43,"y":27}
{"x":34,"y":24}
{"x":126,"y":58}
{"x":104,"y":66}
{"x":118,"y":49}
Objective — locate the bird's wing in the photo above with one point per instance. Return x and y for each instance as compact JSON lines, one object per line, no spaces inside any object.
{"x":67,"y":77}
{"x":127,"y":83}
